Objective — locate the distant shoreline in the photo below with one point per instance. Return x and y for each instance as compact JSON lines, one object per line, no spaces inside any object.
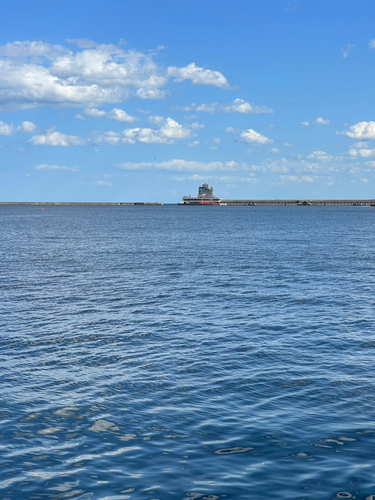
{"x":355,"y":202}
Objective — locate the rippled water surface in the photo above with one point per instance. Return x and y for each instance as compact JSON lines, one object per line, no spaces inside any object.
{"x":187,"y":352}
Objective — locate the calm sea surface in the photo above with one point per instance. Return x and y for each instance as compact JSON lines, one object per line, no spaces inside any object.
{"x":187,"y":353}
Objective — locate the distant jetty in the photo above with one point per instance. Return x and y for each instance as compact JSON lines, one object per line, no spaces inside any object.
{"x":206,"y":197}
{"x":233,"y":203}
{"x":84,"y":203}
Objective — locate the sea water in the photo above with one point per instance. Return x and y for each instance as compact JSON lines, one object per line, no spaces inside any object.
{"x":187,"y":352}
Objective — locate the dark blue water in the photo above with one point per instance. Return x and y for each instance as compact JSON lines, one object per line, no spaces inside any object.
{"x":187,"y":352}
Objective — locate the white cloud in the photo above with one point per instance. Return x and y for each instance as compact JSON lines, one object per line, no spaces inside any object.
{"x":115,"y":114}
{"x":360,"y":131}
{"x":169,"y":132}
{"x":9,"y":129}
{"x":321,"y":121}
{"x":53,"y":138}
{"x":193,"y":144}
{"x":320,"y":156}
{"x":156,"y":120}
{"x":251,"y":137}
{"x":198,"y":76}
{"x":364,"y":180}
{"x":110,"y":138}
{"x":41,"y":74}
{"x":6,"y":129}
{"x":288,"y":144}
{"x":44,"y":166}
{"x":216,"y":141}
{"x":295,"y":178}
{"x":92,"y":113}
{"x":364,"y":153}
{"x":121,"y":116}
{"x":370,"y":163}
{"x":184,"y":165}
{"x":28,"y":126}
{"x":237,"y":106}
{"x":197,"y":126}
{"x":213,"y":148}
{"x":190,"y":117}
{"x":345,"y":52}
{"x":372,"y":44}
{"x":274,"y":150}
{"x":317,"y":121}
{"x":82,"y":43}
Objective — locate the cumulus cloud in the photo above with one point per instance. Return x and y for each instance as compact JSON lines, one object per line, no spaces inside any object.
{"x":6,"y":129}
{"x":372,"y":44}
{"x":121,"y":116}
{"x":44,"y":166}
{"x":28,"y":126}
{"x":320,"y":156}
{"x":317,"y":121}
{"x":274,"y":150}
{"x":169,"y":132}
{"x":237,"y":106}
{"x":9,"y":129}
{"x":321,"y":121}
{"x":86,"y":74}
{"x":54,"y":138}
{"x":197,"y":126}
{"x":82,"y":43}
{"x":184,"y":165}
{"x":360,"y":131}
{"x":198,"y":76}
{"x":156,"y":120}
{"x":115,"y":114}
{"x":251,"y":137}
{"x":364,"y":153}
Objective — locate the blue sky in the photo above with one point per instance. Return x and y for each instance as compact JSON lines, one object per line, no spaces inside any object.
{"x":140,"y":100}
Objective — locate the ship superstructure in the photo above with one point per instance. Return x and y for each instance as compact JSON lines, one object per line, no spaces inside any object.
{"x":205,"y":197}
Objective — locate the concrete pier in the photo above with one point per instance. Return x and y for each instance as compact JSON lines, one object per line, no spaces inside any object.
{"x":223,"y":202}
{"x":72,"y":203}
{"x":299,"y":202}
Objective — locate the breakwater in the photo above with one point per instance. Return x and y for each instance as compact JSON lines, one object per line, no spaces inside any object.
{"x":69,"y":203}
{"x":223,"y":202}
{"x":299,"y":202}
